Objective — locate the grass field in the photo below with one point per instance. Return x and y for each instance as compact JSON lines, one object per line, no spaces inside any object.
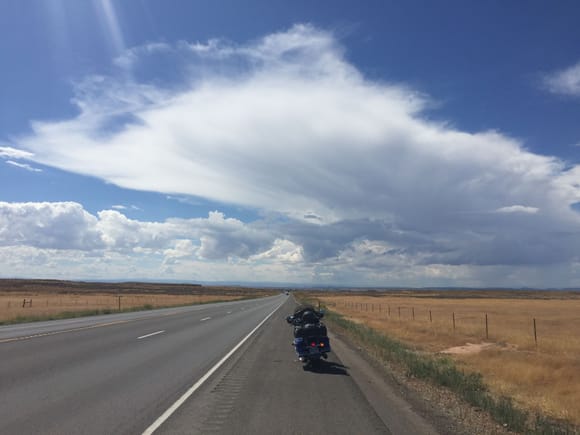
{"x":38,"y":305}
{"x":540,"y":372}
{"x":34,"y":299}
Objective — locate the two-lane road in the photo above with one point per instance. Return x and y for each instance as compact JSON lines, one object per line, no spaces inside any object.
{"x":114,"y":374}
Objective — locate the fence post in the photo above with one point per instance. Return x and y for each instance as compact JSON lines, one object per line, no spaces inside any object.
{"x":454,"y":321}
{"x":119,"y":298}
{"x":23,"y":303}
{"x":486,"y":328}
{"x":413,"y":311}
{"x":535,"y":334}
{"x":430,"y":317}
{"x":399,"y":313}
{"x":389,"y":312}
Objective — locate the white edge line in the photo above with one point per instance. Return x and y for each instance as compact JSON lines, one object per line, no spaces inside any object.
{"x":150,"y":335}
{"x":157,"y":423}
{"x":205,"y":318}
{"x":63,"y":331}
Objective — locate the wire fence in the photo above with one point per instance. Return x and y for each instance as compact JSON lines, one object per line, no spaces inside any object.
{"x":14,"y":306}
{"x":504,"y":324}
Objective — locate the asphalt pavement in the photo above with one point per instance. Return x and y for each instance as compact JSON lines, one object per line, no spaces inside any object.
{"x":113,"y":375}
{"x":225,"y":368}
{"x":264,"y":389}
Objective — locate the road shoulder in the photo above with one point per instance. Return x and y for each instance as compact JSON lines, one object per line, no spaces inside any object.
{"x":390,"y":400}
{"x":393,"y":394}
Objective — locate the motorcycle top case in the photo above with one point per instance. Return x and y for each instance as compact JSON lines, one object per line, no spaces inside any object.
{"x":311,"y":330}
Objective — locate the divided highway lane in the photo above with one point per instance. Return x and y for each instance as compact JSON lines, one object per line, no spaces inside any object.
{"x":24,"y":330}
{"x":263,"y":389}
{"x":116,"y":373}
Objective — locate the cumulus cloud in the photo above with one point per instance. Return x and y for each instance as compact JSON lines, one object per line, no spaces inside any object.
{"x":67,"y":226}
{"x":62,"y":240}
{"x":179,"y":250}
{"x":282,"y":250}
{"x":287,"y":125}
{"x":63,"y":225}
{"x":564,"y":82}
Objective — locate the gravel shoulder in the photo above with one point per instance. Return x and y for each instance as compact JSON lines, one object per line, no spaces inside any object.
{"x":392,"y":393}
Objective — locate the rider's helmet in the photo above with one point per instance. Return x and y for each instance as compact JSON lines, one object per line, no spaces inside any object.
{"x":309,"y":317}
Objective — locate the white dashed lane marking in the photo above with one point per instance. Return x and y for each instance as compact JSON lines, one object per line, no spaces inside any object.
{"x":150,"y":335}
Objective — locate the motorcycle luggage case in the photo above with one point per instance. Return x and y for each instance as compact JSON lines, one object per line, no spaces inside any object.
{"x":311,"y":330}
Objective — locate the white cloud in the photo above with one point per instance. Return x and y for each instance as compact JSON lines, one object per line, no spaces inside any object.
{"x":64,"y":225}
{"x":301,"y":124}
{"x":221,"y":238}
{"x":62,"y":240}
{"x":180,"y":249}
{"x":13,"y":153}
{"x":67,"y":226}
{"x":282,"y":251}
{"x":517,"y":209}
{"x":23,"y":166}
{"x":125,"y":207}
{"x":130,"y":56}
{"x":565,"y":82}
{"x":8,"y":153}
{"x":287,"y":125}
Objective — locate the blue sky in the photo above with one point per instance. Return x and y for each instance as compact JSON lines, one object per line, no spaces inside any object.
{"x":391,"y":143}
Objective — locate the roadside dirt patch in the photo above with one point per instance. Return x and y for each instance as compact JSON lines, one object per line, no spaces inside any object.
{"x":468,"y":348}
{"x":473,"y":348}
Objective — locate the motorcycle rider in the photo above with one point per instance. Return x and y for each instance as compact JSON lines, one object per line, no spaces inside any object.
{"x":305,"y":314}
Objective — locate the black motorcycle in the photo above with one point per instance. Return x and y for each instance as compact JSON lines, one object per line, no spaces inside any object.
{"x":310,"y":335}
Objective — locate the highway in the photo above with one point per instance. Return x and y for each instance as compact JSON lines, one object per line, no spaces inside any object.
{"x":185,"y":371}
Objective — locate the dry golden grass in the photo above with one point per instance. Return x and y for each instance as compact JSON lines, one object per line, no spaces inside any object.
{"x":13,"y":305}
{"x":545,"y":377}
{"x":52,"y":297}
